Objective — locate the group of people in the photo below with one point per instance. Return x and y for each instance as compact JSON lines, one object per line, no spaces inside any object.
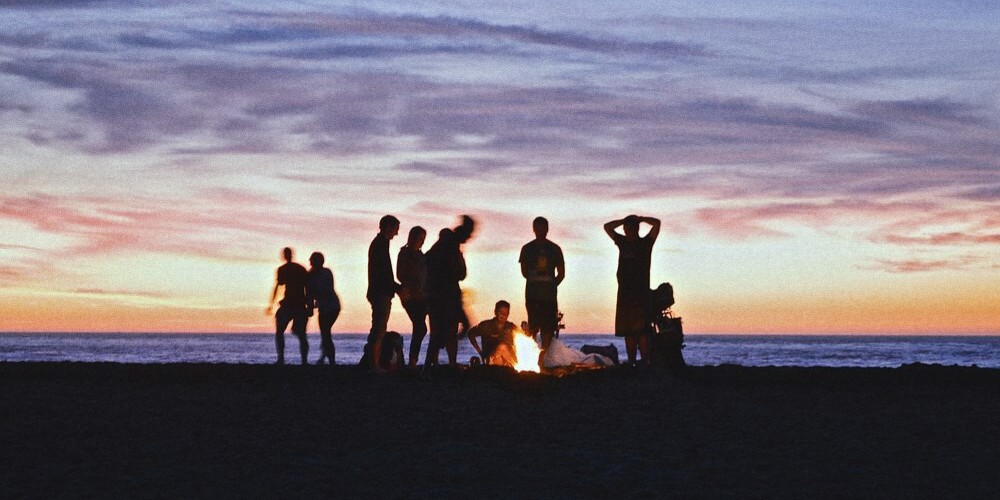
{"x":429,"y":289}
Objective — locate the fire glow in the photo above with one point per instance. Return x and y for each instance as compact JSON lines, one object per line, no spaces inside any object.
{"x":526,"y":352}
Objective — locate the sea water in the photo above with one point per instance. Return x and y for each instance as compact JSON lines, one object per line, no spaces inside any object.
{"x":746,"y":350}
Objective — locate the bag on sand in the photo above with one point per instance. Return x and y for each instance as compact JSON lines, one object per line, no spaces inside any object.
{"x":392,"y":352}
{"x":668,"y":342}
{"x":608,"y":351}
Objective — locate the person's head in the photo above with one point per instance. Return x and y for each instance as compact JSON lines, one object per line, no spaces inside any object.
{"x":541,"y":227}
{"x":316,"y":260}
{"x":464,"y":231}
{"x":631,"y":227}
{"x":388,"y":226}
{"x":416,"y":238}
{"x":286,"y":253}
{"x":502,"y":310}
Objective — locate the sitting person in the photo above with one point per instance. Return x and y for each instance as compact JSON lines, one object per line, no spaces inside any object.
{"x":494,"y":332}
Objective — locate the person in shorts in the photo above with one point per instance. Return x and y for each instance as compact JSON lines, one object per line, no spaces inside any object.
{"x":543,"y":268}
{"x":292,"y":308}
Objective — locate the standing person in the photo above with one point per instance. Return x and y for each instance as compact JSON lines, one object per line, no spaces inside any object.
{"x":445,"y":269}
{"x":381,"y":287}
{"x":543,"y":267}
{"x":411,"y":269}
{"x":292,"y":308}
{"x":322,"y":296}
{"x":634,"y":257}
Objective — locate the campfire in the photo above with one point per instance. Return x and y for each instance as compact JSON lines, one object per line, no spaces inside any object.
{"x":526,"y":352}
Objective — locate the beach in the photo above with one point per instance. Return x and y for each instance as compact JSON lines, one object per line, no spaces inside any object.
{"x":226,"y":430}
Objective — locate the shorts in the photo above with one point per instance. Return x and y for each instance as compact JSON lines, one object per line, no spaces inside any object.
{"x":542,"y":315}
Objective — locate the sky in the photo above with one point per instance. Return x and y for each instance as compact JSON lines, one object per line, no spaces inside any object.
{"x":819,"y":167}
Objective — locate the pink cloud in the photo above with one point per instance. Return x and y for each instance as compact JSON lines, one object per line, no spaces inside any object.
{"x":952,"y":238}
{"x":753,"y":221}
{"x":228,"y":224}
{"x":925,"y":265}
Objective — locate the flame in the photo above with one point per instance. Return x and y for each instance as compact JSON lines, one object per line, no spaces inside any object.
{"x":527,"y":353}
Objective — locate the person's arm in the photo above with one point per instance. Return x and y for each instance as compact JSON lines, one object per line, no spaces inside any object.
{"x":310,"y":294}
{"x":654,"y":230}
{"x":403,"y":268}
{"x":270,"y":303}
{"x":560,"y":269}
{"x":473,"y":333}
{"x":524,"y":265}
{"x":611,"y":226}
{"x":460,"y":269}
{"x":406,"y":273}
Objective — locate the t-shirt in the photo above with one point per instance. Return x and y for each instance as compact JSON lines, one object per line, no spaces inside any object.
{"x":321,"y":289}
{"x":493,"y":334}
{"x":445,"y":269}
{"x":381,"y":281}
{"x":540,"y":259}
{"x":633,"y":263}
{"x":411,"y":269}
{"x":293,"y":276}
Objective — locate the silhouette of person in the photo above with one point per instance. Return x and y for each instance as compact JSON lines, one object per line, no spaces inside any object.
{"x":292,"y":308}
{"x":543,"y":267}
{"x":322,"y":296}
{"x":494,"y":332}
{"x":634,"y":258}
{"x":411,"y":269}
{"x":381,"y":287}
{"x":445,"y":269}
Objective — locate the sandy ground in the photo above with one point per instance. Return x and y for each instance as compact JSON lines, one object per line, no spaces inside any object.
{"x":111,"y":430}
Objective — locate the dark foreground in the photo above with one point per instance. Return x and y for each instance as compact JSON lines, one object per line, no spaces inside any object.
{"x":108,"y":430}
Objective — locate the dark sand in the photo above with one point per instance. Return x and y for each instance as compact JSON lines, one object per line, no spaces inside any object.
{"x":110,"y":430}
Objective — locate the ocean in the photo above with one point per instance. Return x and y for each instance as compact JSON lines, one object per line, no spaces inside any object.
{"x":746,"y":350}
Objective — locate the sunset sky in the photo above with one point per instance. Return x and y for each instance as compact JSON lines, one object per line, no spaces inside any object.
{"x":819,"y":167}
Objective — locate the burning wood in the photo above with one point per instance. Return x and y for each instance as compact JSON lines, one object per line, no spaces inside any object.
{"x":521,"y":353}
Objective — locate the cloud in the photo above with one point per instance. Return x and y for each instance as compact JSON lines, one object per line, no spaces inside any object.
{"x":977,"y":225}
{"x":223,"y":224}
{"x":411,"y":27}
{"x":121,"y":293}
{"x":460,"y":168}
{"x":985,"y":194}
{"x":949,"y":238}
{"x":757,"y":220}
{"x":935,"y":112}
{"x":925,"y":265}
{"x":53,"y":4}
{"x":130,"y":116}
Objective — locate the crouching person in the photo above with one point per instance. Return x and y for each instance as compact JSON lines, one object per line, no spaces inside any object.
{"x":497,"y":335}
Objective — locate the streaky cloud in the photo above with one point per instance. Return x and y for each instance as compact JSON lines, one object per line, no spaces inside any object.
{"x":925,"y":265}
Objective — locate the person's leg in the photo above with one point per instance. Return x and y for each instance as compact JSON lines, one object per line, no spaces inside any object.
{"x":452,"y":343}
{"x":630,"y":345}
{"x":417,"y":312}
{"x":324,"y":335}
{"x":434,"y":343}
{"x":329,"y":350}
{"x":381,"y":308}
{"x":644,"y":348}
{"x":546,"y":312}
{"x":531,"y":307}
{"x":299,"y":329}
{"x":451,"y":335}
{"x":281,"y":320}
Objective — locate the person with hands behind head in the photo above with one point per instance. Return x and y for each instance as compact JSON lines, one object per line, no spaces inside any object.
{"x":634,"y":259}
